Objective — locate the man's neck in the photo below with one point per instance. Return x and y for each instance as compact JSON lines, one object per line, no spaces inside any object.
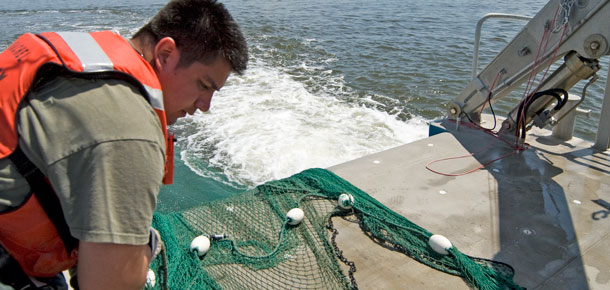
{"x":145,"y":46}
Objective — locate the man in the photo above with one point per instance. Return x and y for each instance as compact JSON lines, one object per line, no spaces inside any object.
{"x":83,"y":126}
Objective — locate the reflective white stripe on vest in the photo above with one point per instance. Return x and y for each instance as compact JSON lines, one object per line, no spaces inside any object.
{"x":88,"y":51}
{"x":156,"y":97}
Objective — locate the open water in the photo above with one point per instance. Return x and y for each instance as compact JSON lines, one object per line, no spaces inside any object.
{"x":328,"y":80}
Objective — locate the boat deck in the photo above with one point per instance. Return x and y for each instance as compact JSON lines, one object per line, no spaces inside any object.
{"x":545,"y":211}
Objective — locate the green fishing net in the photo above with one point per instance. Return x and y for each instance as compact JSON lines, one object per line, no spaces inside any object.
{"x":253,"y":246}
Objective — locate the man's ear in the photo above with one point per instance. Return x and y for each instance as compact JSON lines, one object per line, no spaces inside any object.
{"x":166,"y":53}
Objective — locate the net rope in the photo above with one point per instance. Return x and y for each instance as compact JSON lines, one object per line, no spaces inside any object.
{"x":261,"y":250}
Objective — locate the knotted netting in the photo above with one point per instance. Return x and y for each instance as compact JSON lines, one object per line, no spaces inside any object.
{"x":259,"y":249}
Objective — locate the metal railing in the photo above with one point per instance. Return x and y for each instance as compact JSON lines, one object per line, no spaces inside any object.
{"x":477,"y":36}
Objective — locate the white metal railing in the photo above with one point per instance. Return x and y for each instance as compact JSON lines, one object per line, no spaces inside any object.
{"x":477,"y":35}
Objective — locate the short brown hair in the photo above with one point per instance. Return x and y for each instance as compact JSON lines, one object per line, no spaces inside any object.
{"x":202,"y":29}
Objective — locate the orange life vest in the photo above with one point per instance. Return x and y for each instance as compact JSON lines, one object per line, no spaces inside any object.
{"x":27,"y":232}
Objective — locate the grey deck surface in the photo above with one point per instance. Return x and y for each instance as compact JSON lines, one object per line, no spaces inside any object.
{"x":545,"y":211}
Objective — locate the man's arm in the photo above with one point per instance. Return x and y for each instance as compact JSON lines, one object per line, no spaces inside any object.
{"x":101,"y":147}
{"x":112,"y":266}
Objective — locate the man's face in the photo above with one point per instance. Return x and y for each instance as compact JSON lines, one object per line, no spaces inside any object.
{"x":188,"y":88}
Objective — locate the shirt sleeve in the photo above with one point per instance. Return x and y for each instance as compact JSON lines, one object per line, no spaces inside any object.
{"x":100,"y":144}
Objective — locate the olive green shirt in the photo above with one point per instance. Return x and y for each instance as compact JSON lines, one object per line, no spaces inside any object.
{"x":100,"y":144}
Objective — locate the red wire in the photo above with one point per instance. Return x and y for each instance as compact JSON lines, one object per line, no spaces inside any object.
{"x":529,"y":98}
{"x":548,"y":32}
{"x":543,"y":77}
{"x":554,"y":54}
{"x":536,"y":60}
{"x":469,"y":171}
{"x":524,"y":100}
{"x":498,"y":137}
{"x":488,"y":131}
{"x":493,"y":84}
{"x":525,"y":97}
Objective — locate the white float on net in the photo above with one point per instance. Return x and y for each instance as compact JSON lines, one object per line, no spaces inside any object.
{"x":295,"y":216}
{"x":200,"y":245}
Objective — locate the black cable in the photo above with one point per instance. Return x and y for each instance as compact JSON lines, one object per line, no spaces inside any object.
{"x":481,"y":127}
{"x":523,"y":108}
{"x":492,"y":112}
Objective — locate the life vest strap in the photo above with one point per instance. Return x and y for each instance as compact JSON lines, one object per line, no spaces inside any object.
{"x":46,"y":196}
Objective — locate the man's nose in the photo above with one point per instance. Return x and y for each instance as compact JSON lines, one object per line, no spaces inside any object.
{"x":203,"y":103}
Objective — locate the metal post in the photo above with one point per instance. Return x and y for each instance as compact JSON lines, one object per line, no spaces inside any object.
{"x":564,"y":130}
{"x":603,"y":129}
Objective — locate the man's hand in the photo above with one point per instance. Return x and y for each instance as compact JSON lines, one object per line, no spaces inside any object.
{"x":112,"y":266}
{"x":155,"y":244}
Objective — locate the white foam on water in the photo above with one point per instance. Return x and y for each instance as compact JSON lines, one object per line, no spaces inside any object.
{"x":265,"y":126}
